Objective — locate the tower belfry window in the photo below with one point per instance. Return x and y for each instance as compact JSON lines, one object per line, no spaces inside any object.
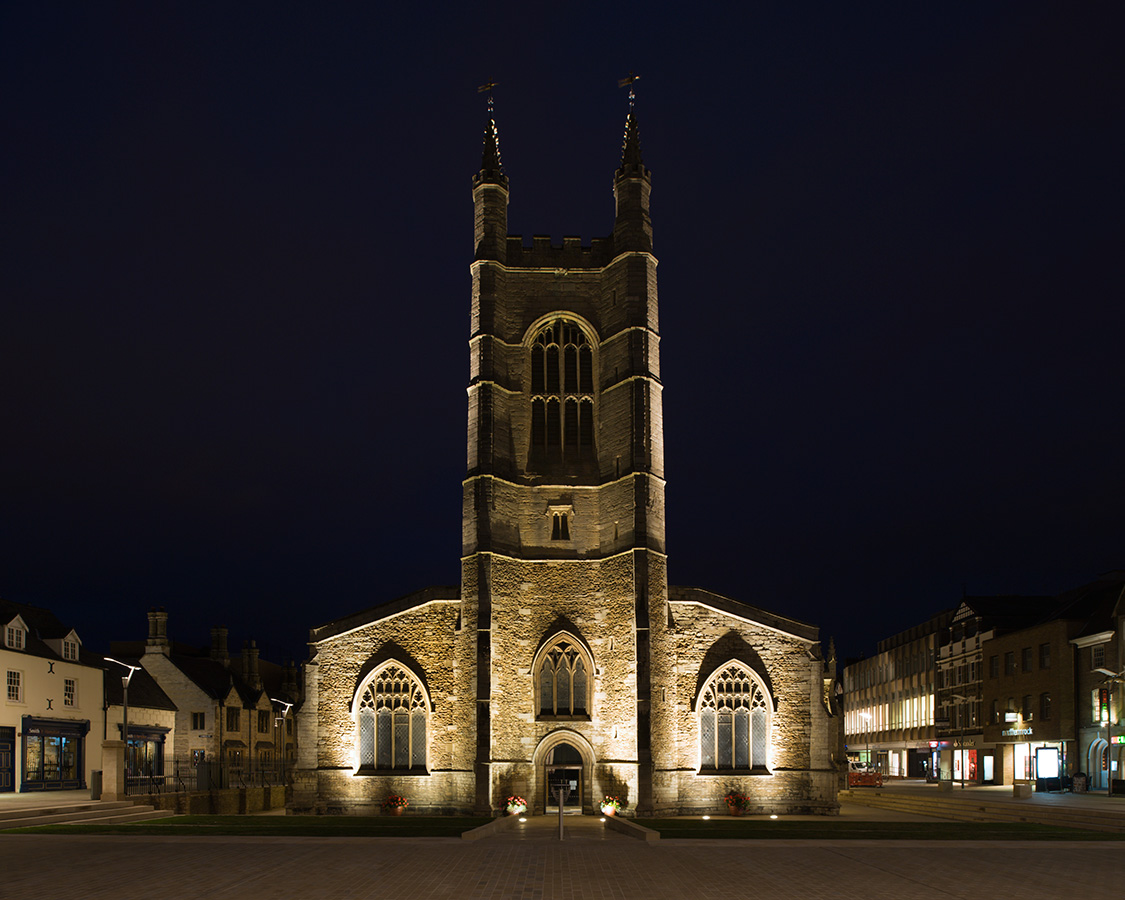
{"x":562,"y":393}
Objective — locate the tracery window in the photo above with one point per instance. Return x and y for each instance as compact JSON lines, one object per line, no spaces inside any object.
{"x":392,"y":721}
{"x":562,"y":393}
{"x":734,"y":721}
{"x":563,"y":676}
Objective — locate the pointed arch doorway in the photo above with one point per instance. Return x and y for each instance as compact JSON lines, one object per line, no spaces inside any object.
{"x":564,"y":767}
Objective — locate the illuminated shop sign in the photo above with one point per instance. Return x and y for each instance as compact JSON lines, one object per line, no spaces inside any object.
{"x":1012,"y":732}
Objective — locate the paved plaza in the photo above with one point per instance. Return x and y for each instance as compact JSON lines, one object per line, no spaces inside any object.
{"x":531,"y":863}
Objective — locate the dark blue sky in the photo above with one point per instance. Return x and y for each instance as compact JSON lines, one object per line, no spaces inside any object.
{"x":235,"y":296}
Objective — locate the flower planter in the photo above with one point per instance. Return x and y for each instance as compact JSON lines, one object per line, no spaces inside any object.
{"x":609,"y":810}
{"x":734,"y":810}
{"x":516,"y":810}
{"x":396,"y":810}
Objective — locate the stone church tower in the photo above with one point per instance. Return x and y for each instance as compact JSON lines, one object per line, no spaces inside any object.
{"x":565,"y":657}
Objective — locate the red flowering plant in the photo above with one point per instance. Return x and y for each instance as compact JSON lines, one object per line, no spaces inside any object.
{"x":395,"y":801}
{"x":515,"y":805}
{"x":737,"y":800}
{"x":613,"y":803}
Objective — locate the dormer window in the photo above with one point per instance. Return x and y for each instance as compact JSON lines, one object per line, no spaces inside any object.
{"x":70,"y":650}
{"x":14,"y":637}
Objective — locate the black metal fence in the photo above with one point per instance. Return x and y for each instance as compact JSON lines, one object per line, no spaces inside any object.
{"x":205,"y":776}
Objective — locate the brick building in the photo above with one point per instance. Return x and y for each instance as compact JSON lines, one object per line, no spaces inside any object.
{"x":564,"y":657}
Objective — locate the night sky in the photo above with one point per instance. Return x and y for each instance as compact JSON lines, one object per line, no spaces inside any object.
{"x":235,"y":294}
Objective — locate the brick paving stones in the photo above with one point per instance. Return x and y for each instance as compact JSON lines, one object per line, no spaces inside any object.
{"x":531,"y":864}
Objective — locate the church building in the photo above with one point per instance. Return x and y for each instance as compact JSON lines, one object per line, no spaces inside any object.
{"x":564,"y":657}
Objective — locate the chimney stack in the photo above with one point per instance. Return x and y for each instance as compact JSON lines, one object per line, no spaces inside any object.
{"x":157,"y":632}
{"x":219,"y":645}
{"x":250,"y":665}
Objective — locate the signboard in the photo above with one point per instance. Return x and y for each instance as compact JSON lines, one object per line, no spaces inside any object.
{"x":941,"y":722}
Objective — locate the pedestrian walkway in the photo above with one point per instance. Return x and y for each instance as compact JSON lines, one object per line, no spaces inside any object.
{"x":538,"y":868}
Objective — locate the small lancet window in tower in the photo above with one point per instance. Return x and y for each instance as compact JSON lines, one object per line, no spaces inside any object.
{"x":560,"y":522}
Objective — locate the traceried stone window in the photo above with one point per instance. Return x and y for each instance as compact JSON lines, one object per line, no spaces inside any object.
{"x":734,"y":722}
{"x":562,"y":394}
{"x":563,"y":680}
{"x":392,"y":713}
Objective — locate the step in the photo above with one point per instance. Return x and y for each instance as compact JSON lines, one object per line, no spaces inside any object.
{"x":140,"y":814}
{"x":109,"y":814}
{"x":13,"y":818}
{"x":974,"y":810}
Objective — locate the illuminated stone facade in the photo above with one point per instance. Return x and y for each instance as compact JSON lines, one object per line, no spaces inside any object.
{"x":564,"y":655}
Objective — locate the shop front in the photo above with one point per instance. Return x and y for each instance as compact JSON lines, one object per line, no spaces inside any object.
{"x":54,"y":754}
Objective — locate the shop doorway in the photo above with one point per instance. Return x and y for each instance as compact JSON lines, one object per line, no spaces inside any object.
{"x":564,"y":769}
{"x":7,"y":759}
{"x":1097,"y":769}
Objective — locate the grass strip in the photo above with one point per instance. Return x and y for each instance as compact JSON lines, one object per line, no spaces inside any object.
{"x":277,"y":826}
{"x":828,"y":829}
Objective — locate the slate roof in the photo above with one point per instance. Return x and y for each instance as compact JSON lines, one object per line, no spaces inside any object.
{"x":43,"y":625}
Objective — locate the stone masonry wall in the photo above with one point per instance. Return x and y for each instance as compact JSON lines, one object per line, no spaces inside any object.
{"x":429,"y":641}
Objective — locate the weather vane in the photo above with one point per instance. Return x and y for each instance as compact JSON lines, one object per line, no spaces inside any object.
{"x":628,"y":82}
{"x":487,"y":88}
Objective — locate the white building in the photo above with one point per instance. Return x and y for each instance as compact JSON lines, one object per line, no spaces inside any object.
{"x":52,"y":721}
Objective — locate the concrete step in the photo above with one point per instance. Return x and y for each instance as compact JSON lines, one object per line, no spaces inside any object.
{"x":16,"y":818}
{"x":107,"y":814}
{"x":976,"y":810}
{"x":137,"y":814}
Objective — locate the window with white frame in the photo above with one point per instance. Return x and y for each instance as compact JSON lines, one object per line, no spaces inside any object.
{"x":70,"y":692}
{"x":70,"y":650}
{"x":15,"y":687}
{"x":734,"y":721}
{"x":393,"y":712}
{"x":1097,"y":656}
{"x":14,"y":637}
{"x":563,"y":679}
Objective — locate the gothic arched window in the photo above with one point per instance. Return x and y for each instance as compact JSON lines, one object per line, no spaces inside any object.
{"x":562,"y":393}
{"x":562,"y":677}
{"x":734,"y":721}
{"x":392,"y":713}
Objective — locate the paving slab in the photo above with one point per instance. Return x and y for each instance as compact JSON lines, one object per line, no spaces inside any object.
{"x":272,"y":868}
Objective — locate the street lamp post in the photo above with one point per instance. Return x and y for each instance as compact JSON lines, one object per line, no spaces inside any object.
{"x":281,"y":733}
{"x":125,"y":679}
